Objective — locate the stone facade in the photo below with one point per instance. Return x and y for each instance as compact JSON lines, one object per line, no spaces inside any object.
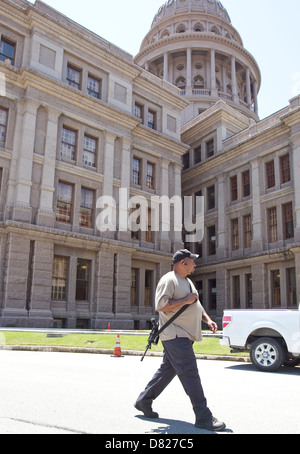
{"x":81,"y":119}
{"x":247,"y":170}
{"x":250,"y":252}
{"x":75,"y":123}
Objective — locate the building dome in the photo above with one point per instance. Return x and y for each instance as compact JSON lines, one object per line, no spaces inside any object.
{"x":192,"y":44}
{"x":205,"y":6}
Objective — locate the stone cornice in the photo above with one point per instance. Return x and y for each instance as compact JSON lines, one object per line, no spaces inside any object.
{"x":31,"y":79}
{"x":165,"y":91}
{"x":155,"y":137}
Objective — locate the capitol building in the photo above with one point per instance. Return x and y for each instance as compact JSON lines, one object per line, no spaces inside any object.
{"x":81,"y":120}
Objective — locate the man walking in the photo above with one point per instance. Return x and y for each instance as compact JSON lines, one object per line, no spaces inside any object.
{"x":173,"y":292}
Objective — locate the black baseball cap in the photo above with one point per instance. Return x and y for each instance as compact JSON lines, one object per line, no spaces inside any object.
{"x":183,"y":254}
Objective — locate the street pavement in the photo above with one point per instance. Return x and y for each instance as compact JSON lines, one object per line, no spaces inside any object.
{"x":64,"y":393}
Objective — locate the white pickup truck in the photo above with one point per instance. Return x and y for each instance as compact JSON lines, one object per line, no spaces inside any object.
{"x":271,"y":336}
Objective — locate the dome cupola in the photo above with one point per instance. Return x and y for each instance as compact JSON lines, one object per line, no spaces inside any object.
{"x":205,"y":6}
{"x":192,"y":44}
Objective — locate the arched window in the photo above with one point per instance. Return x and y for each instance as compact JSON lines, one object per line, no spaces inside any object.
{"x":181,"y":83}
{"x":198,"y":28}
{"x":165,"y":33}
{"x":198,"y":83}
{"x":181,"y":29}
{"x":215,"y":30}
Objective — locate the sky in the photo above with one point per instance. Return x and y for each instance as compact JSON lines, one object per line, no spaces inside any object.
{"x":269,"y":29}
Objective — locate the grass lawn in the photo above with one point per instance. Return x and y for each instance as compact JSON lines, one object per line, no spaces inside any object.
{"x":209,"y":346}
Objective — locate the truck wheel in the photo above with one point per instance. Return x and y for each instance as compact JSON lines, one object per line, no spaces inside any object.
{"x":267,"y":354}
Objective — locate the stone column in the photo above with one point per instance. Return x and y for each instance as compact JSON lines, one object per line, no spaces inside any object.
{"x":177,"y":221}
{"x":255,"y":97}
{"x":222,"y":249}
{"x":14,"y":310}
{"x":164,"y":224}
{"x":166,"y":66}
{"x":104,"y":287}
{"x":40,"y":315}
{"x":124,"y":195}
{"x":233,"y":81}
{"x":108,"y":182}
{"x":295,"y":165}
{"x":260,"y":287}
{"x":20,"y":179}
{"x":248,"y":87}
{"x":213,"y":87}
{"x":109,"y":151}
{"x":189,"y":71}
{"x":297,"y":266}
{"x":46,"y":215}
{"x":257,"y":223}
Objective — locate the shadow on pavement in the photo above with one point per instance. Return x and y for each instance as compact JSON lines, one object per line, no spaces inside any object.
{"x":176,"y":427}
{"x":251,"y":368}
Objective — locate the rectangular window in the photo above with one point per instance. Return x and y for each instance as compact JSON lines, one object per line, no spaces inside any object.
{"x":291,"y":287}
{"x":235,"y":240}
{"x":1,"y":176}
{"x":7,"y":51}
{"x":3,"y":124}
{"x":246,"y":183}
{"x":149,"y":232}
{"x":148,"y":288}
{"x":212,"y":240}
{"x":270,"y":174}
{"x":275,"y":285}
{"x":133,"y":293}
{"x":247,"y":231}
{"x":212,"y":294}
{"x":139,"y":111}
{"x":236,"y":292}
{"x":234,"y":188}
{"x":68,"y":144}
{"x":74,"y":77}
{"x":211,"y":198}
{"x":151,"y":119}
{"x":83,"y":280}
{"x":186,"y":161}
{"x":197,"y":155}
{"x":285,"y":169}
{"x":64,"y":203}
{"x":150,"y":175}
{"x":288,"y":221}
{"x":86,"y":208}
{"x":89,"y":151}
{"x":94,"y":87}
{"x":59,"y":278}
{"x":249,"y":291}
{"x":272,"y":223}
{"x":199,"y":287}
{"x":210,"y":148}
{"x":136,"y":171}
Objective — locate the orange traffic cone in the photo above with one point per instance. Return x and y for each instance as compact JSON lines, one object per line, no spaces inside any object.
{"x":117,"y":351}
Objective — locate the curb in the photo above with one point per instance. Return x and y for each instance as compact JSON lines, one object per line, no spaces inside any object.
{"x":102,"y":351}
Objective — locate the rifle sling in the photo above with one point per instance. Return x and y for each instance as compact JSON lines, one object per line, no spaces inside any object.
{"x":174,"y":316}
{"x":172,"y":319}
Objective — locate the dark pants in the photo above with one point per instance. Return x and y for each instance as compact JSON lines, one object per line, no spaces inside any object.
{"x":179,"y":359}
